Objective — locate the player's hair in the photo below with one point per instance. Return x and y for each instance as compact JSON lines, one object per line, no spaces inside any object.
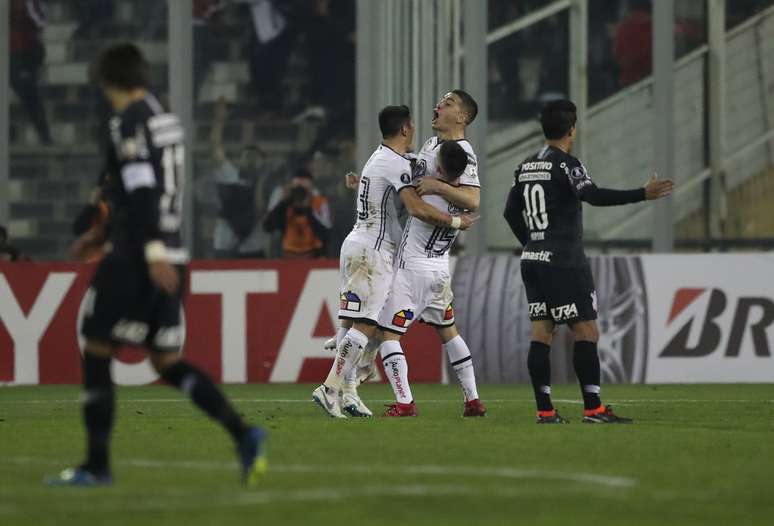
{"x":469,"y":104}
{"x":392,"y":118}
{"x":557,"y":118}
{"x":123,"y":66}
{"x":453,"y":158}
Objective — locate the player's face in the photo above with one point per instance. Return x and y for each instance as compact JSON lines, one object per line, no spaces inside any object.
{"x":448,"y":113}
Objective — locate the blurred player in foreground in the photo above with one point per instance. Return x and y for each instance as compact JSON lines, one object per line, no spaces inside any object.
{"x":136,"y":294}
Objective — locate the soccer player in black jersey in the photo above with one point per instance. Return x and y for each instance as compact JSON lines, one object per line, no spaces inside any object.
{"x":136,"y":294}
{"x":545,"y":213}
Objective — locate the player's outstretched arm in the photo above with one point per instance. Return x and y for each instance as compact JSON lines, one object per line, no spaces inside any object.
{"x":465,"y":197}
{"x":655,"y":189}
{"x":514,"y":216}
{"x":424,"y":212}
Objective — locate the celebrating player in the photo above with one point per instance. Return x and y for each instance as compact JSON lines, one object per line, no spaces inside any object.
{"x":366,"y":259}
{"x":136,"y":293}
{"x":421,"y":289}
{"x":545,"y":213}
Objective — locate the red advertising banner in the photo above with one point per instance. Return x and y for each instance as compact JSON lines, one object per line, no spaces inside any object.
{"x":246,"y":321}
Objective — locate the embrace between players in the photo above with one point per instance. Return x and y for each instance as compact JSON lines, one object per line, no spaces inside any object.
{"x":391,"y":278}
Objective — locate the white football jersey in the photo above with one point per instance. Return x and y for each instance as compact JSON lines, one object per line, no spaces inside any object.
{"x":383,"y":176}
{"x":424,"y":246}
{"x":427,"y":164}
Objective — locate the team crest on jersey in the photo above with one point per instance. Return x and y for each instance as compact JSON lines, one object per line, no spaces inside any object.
{"x":419,"y":169}
{"x":449,"y":314}
{"x":350,"y":301}
{"x":405,"y":178}
{"x":579,"y":172}
{"x":403,"y":318}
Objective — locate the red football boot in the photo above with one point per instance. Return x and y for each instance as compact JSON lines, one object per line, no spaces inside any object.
{"x":399,"y":409}
{"x":474,"y":408}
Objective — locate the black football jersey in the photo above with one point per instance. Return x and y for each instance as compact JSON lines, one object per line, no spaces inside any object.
{"x":550,"y":186}
{"x":145,"y":171}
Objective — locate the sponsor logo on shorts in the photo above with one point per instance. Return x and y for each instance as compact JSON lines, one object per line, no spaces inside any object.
{"x":538,"y":309}
{"x":541,"y":255}
{"x":403,"y":318}
{"x":537,"y":236}
{"x":564,"y":312}
{"x":449,"y":314}
{"x":349,"y":301}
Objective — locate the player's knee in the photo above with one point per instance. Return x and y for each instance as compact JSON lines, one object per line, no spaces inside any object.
{"x":542,"y":332}
{"x":162,"y":360}
{"x":447,"y":334}
{"x":586,"y":331}
{"x":99,"y":349}
{"x":366,"y":328}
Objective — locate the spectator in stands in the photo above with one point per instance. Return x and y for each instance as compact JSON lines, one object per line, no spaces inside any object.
{"x":633,"y":43}
{"x":205,"y":20}
{"x":330,"y":49}
{"x":92,"y":16}
{"x":240,"y":190}
{"x":7,"y":252}
{"x":303,"y":216}
{"x":271,"y":42}
{"x":27,"y":19}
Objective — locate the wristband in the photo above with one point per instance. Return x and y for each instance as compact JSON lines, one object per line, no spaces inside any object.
{"x":456,"y":222}
{"x":155,"y":251}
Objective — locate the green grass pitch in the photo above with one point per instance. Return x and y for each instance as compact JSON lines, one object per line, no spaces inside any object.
{"x":696,"y":455}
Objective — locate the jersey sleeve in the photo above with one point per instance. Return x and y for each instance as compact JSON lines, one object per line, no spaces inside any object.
{"x":469,"y":177}
{"x":135,"y":167}
{"x":577,"y":176}
{"x":583,"y":187}
{"x":399,"y":176}
{"x":132,"y":153}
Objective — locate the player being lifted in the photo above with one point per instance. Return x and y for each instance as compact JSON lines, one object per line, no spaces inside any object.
{"x":136,"y":294}
{"x":421,"y":289}
{"x":545,"y":213}
{"x":366,"y":259}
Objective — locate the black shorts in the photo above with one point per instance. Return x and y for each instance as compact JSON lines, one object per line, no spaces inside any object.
{"x":563,"y":295}
{"x":124,"y":307}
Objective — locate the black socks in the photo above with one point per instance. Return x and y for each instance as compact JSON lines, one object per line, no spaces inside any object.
{"x":206,"y":395}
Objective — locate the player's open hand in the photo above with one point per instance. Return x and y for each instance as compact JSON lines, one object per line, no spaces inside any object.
{"x":657,"y":188}
{"x":164,"y":276}
{"x":467,"y":220}
{"x":428,"y":186}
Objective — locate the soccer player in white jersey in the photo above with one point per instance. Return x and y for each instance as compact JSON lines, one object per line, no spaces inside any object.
{"x":366,"y":258}
{"x":421,"y":289}
{"x":453,"y":113}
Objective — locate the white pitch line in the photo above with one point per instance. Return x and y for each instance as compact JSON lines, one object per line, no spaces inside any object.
{"x":428,"y":470}
{"x":631,"y":401}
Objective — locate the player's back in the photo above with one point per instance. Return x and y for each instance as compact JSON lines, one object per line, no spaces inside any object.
{"x":376,"y":224}
{"x":552,"y":207}
{"x":424,"y":246}
{"x":147,"y":152}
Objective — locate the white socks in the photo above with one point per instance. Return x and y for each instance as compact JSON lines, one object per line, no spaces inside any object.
{"x":460,"y":359}
{"x":396,"y":369}
{"x":347,"y":354}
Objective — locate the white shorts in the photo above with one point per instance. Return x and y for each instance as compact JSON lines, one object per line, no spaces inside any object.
{"x":423,"y":295}
{"x":366,"y":275}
